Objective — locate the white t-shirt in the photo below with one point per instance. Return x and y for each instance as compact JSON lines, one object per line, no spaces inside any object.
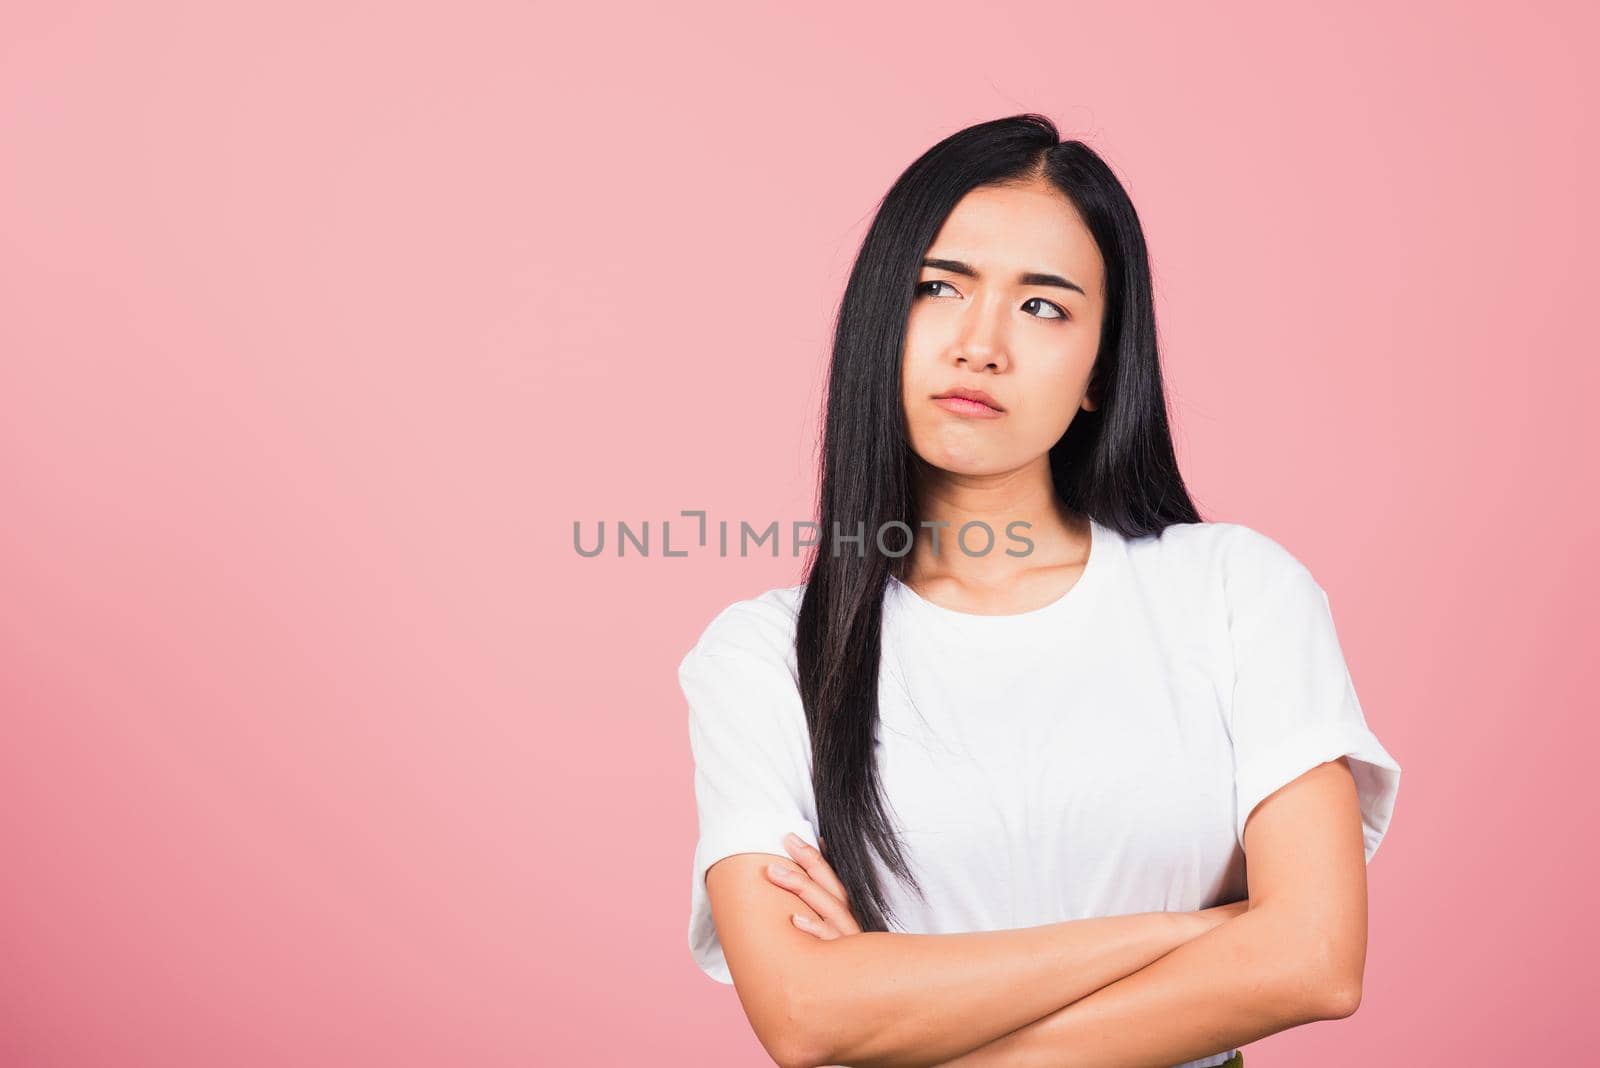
{"x":1094,"y":757}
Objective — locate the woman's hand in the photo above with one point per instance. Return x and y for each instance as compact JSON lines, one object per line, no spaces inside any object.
{"x":814,"y":883}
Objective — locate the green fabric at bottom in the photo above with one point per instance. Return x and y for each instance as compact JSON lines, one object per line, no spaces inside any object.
{"x":1235,"y":1061}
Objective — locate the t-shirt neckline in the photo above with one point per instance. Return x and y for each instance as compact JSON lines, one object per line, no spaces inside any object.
{"x":1019,"y":623}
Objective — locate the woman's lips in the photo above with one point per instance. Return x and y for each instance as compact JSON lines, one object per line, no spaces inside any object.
{"x":963,"y":406}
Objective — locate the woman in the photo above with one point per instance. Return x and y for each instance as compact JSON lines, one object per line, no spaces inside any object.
{"x":1038,"y":711}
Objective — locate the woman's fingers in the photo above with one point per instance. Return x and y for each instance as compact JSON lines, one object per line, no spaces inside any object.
{"x":810,"y":858}
{"x":814,"y":871}
{"x":821,"y":871}
{"x":824,"y":931}
{"x":822,"y":902}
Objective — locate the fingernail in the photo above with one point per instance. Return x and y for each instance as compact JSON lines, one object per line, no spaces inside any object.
{"x":793,"y":840}
{"x":778,"y":871}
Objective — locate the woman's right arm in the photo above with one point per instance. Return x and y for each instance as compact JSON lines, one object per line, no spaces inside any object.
{"x":887,"y":998}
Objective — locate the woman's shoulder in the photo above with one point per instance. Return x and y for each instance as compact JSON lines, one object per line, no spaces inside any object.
{"x":761,"y":625}
{"x":1233,"y":553}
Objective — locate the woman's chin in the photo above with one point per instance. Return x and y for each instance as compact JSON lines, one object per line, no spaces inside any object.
{"x":966,"y":464}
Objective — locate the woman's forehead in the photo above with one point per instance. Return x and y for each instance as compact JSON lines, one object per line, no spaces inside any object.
{"x":1005,"y":232}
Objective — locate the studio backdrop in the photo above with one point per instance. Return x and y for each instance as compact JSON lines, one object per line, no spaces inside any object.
{"x":417,"y":424}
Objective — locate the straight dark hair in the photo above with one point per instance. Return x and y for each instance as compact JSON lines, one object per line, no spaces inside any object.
{"x":1115,"y":464}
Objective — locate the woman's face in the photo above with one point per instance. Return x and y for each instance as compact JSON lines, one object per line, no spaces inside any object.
{"x":1009,"y":302}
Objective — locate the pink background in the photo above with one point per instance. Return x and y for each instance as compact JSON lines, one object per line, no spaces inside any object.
{"x":321,"y":324}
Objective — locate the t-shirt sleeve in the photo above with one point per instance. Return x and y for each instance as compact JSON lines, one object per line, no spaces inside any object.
{"x":1294,"y":704}
{"x":752,"y":765}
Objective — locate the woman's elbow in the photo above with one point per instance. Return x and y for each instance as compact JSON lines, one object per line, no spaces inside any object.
{"x":1336,"y":987}
{"x":788,"y":1019}
{"x":1321,"y":979}
{"x":800,"y":1059}
{"x":805,"y":1041}
{"x":799,"y":1049}
{"x":1331,"y":965}
{"x":788,"y":1044}
{"x":791,"y":1055}
{"x":1344,"y":999}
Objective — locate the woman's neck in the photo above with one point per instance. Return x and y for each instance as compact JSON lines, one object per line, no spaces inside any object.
{"x":1017,"y":507}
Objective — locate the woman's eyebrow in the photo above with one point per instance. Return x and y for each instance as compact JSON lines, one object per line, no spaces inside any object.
{"x":1027,"y":278}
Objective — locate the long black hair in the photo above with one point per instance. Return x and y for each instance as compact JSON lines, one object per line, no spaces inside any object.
{"x":1115,"y":464}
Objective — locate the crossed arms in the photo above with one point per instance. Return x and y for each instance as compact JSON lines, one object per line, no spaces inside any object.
{"x":1148,"y":989}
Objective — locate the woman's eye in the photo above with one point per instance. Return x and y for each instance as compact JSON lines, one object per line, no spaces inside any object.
{"x":1056,"y":308}
{"x":930,"y":288}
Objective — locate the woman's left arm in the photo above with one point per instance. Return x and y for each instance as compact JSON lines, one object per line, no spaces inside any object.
{"x":1295,"y":957}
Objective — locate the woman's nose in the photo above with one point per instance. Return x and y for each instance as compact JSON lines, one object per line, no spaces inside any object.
{"x":982,"y":343}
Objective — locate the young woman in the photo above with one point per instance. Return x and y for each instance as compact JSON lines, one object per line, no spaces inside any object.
{"x":1034,"y":710}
